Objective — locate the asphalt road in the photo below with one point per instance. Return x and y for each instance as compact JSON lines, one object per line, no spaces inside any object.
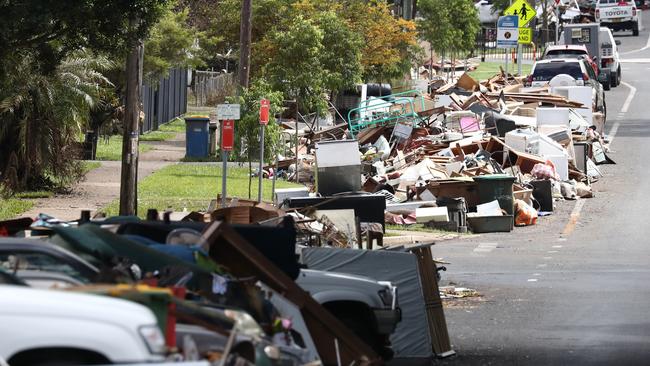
{"x":562,"y":294}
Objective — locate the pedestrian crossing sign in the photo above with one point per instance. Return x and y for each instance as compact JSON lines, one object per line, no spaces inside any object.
{"x":525,"y":36}
{"x":523,"y":10}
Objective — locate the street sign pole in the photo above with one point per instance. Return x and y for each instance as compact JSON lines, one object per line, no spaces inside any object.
{"x":224,"y":173}
{"x":227,"y":144}
{"x":265,"y":105}
{"x":520,"y":55}
{"x":507,"y":35}
{"x":261,"y":171}
{"x":557,"y":24}
{"x":524,"y":13}
{"x":224,"y":168}
{"x":227,"y":114}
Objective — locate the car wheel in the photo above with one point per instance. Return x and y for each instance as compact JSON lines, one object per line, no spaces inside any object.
{"x":614,"y":80}
{"x":635,"y":29}
{"x":607,"y":83}
{"x":361,"y":325}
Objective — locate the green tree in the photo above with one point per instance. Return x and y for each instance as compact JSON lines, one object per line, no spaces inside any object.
{"x":51,"y":30}
{"x":42,"y":115}
{"x":390,"y":43}
{"x":51,"y":79}
{"x":220,"y":21}
{"x":448,"y":25}
{"x":295,"y":63}
{"x":172,"y":43}
{"x":341,"y":55}
{"x":247,"y":129}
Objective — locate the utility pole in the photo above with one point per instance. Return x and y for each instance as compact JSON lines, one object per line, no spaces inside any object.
{"x":129,"y":179}
{"x":245,"y":43}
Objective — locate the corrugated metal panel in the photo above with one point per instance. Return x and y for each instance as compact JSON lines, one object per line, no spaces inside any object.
{"x":165,"y":101}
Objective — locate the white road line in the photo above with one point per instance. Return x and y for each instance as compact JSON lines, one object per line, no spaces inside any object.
{"x":552,"y":251}
{"x":635,"y":61}
{"x":485,"y":247}
{"x":629,"y":98}
{"x":647,"y":45}
{"x":537,"y":274}
{"x":562,"y":239}
{"x":547,"y":258}
{"x":532,"y":280}
{"x":542,"y":265}
{"x":612,"y":132}
{"x":556,"y":246}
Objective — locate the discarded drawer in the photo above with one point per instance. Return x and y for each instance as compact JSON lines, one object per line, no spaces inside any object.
{"x":490,"y":224}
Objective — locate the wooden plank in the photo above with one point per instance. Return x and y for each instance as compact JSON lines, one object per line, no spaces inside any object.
{"x":228,"y":248}
{"x":440,"y":342}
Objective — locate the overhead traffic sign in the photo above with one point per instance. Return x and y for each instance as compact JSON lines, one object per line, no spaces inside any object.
{"x":523,"y":10}
{"x":525,"y":35}
{"x":507,"y":31}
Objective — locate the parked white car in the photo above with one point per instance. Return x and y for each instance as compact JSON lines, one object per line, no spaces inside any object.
{"x":55,"y":327}
{"x":617,"y":15}
{"x":568,"y":72}
{"x":609,"y":58}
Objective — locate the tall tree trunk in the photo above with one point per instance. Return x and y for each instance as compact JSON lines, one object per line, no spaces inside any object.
{"x":415,"y":9}
{"x":245,"y":43}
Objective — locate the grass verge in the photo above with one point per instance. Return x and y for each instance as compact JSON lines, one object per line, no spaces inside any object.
{"x":486,"y":70}
{"x":24,"y":201}
{"x":19,"y":203}
{"x":12,"y":207}
{"x":111,"y":149}
{"x":191,"y":187}
{"x":165,"y":132}
{"x":87,"y":166}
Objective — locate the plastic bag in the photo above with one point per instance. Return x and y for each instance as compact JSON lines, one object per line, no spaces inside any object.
{"x":545,"y":171}
{"x":525,"y":215}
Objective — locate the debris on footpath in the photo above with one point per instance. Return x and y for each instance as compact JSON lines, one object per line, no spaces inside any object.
{"x":466,"y":156}
{"x":453,"y":292}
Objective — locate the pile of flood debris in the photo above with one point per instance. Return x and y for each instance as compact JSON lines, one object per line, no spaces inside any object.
{"x":480,"y":156}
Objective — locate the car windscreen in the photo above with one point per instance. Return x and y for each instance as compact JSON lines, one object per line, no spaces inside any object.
{"x":565,"y":53}
{"x":546,"y":71}
{"x":15,"y":260}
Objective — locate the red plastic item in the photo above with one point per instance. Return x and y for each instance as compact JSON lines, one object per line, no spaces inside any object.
{"x":265,"y":106}
{"x":170,"y":332}
{"x":228,"y":135}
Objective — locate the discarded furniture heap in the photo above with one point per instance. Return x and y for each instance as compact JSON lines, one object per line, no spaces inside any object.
{"x":480,"y":156}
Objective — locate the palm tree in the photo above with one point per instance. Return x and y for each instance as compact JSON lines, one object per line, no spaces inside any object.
{"x":42,"y":115}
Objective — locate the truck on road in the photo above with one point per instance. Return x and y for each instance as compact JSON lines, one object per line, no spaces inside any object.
{"x":602,"y":49}
{"x":617,"y":15}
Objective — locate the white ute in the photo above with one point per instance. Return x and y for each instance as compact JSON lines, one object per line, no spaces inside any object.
{"x":46,"y":327}
{"x":618,"y":15}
